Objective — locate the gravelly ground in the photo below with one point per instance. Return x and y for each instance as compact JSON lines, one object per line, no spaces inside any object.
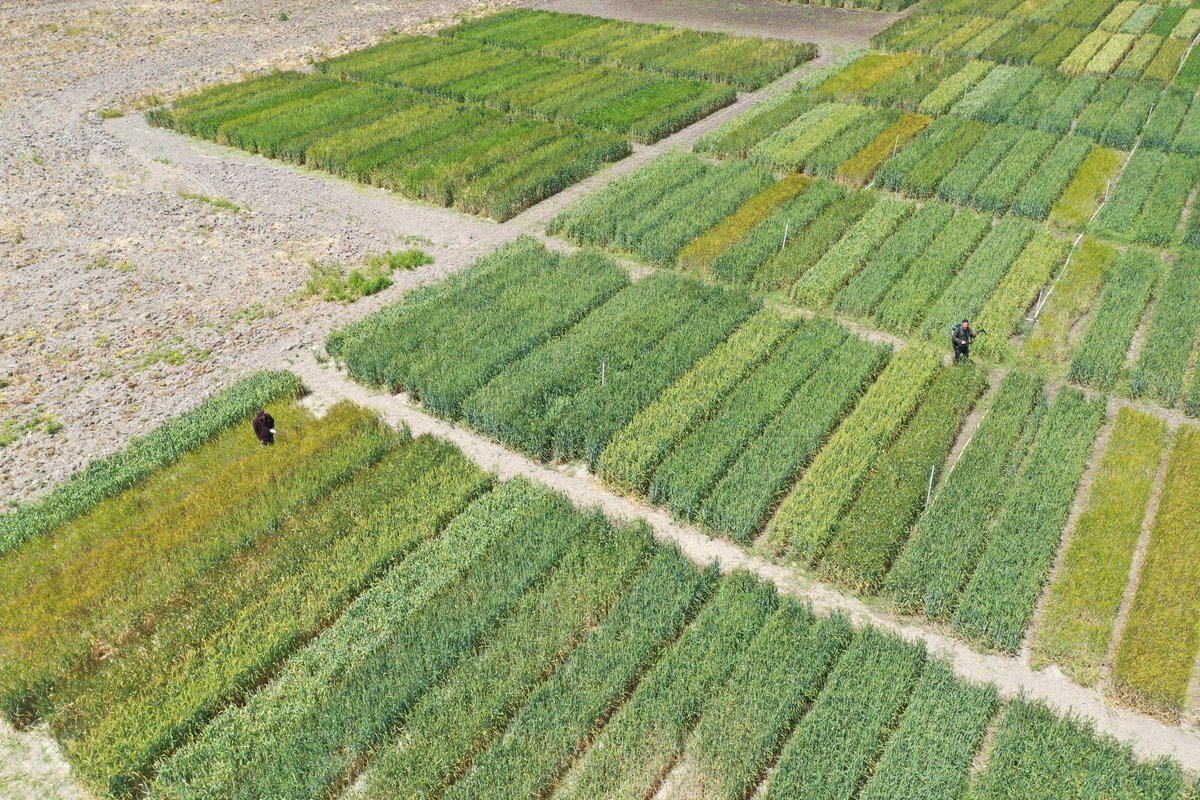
{"x":120,"y":301}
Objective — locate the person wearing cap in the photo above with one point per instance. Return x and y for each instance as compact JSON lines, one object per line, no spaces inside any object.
{"x":961,"y":337}
{"x":264,"y":427}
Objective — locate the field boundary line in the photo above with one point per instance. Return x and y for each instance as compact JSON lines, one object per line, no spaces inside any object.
{"x":1012,"y":677}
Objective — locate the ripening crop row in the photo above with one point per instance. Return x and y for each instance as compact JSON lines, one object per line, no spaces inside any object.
{"x":1089,"y":187}
{"x":1086,"y":596}
{"x":1155,"y":657}
{"x":427,"y":635}
{"x":477,"y":159}
{"x":1059,"y":326}
{"x":745,"y":257}
{"x":806,"y":517}
{"x":989,"y":167}
{"x":1005,"y":308}
{"x":294,"y":737}
{"x":162,"y":447}
{"x":746,"y":62}
{"x":160,"y":689}
{"x":999,"y":600}
{"x":643,"y":105}
{"x":1043,"y":44}
{"x":116,"y":565}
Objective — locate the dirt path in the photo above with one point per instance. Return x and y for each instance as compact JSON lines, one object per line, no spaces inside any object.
{"x":32,"y":768}
{"x":836,"y":28}
{"x":1013,"y":676}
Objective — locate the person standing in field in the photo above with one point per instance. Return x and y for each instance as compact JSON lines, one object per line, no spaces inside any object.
{"x":961,"y":337}
{"x":264,"y":427}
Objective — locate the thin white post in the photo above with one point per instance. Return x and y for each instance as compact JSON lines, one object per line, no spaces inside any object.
{"x":929,"y":491}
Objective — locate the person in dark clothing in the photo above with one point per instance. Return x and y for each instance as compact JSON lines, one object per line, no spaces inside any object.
{"x":264,"y":427}
{"x":961,"y":337}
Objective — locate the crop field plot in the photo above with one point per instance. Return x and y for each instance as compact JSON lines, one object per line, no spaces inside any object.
{"x":392,"y":622}
{"x":816,"y":244}
{"x":482,"y":119}
{"x":744,"y":62}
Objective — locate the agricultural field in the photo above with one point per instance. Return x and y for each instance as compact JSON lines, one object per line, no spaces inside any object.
{"x":490,"y":118}
{"x":793,"y":436}
{"x":818,"y":535}
{"x":391,"y":621}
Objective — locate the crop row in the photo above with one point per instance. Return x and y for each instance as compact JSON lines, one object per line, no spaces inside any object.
{"x":1170,"y":334}
{"x":868,"y":537}
{"x":860,"y":252}
{"x":1086,"y":596}
{"x":74,"y":595}
{"x":994,"y":168}
{"x":477,"y":159}
{"x":156,"y":691}
{"x":1175,"y":124}
{"x":746,"y":62}
{"x":805,"y":520}
{"x":1058,"y":329}
{"x":105,"y":477}
{"x":1083,"y":13}
{"x":551,"y":399}
{"x":446,"y":340}
{"x":1147,"y":45}
{"x":413,"y":631}
{"x":1127,"y":287}
{"x":949,"y":537}
{"x":645,"y":106}
{"x":1019,"y":159}
{"x":1148,"y":201}
{"x":998,"y":602}
{"x":295,"y":737}
{"x":656,"y":211}
{"x":1157,"y":651}
{"x":1041,"y":44}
